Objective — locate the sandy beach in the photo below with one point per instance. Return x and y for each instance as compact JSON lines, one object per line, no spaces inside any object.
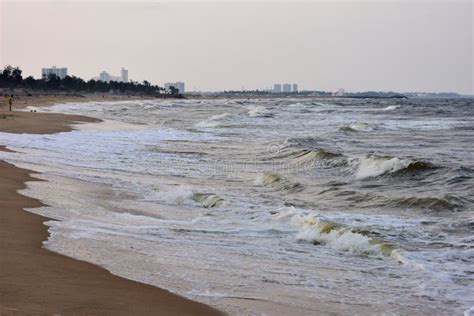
{"x":35,"y":281}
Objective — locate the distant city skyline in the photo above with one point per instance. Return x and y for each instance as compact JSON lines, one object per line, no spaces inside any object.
{"x":403,"y":46}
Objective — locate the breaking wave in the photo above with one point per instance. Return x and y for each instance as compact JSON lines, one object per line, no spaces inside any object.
{"x":357,"y":127}
{"x":208,"y":200}
{"x":213,"y":121}
{"x":391,"y":107}
{"x":259,"y":111}
{"x":277,"y":182}
{"x":340,"y":237}
{"x":306,"y":157}
{"x":266,"y":179}
{"x":370,"y":166}
{"x":179,"y":195}
{"x":186,"y":195}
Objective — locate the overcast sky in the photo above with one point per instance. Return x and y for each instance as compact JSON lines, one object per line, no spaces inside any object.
{"x":357,"y":45}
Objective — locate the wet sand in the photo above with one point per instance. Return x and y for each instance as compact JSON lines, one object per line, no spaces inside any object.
{"x":35,"y":281}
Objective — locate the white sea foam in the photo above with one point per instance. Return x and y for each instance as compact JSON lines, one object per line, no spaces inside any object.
{"x":323,"y":104}
{"x":177,"y":195}
{"x":258,"y":111}
{"x":266,"y":179}
{"x":391,"y":107}
{"x":259,"y":181}
{"x":357,"y":127}
{"x":372,"y":166}
{"x":469,"y":312}
{"x":109,"y":125}
{"x":361,"y":127}
{"x":313,"y":229}
{"x":208,"y":293}
{"x":294,"y":105}
{"x":286,"y":214}
{"x":213,"y":121}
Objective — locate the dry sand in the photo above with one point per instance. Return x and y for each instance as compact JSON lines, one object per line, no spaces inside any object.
{"x":35,"y":281}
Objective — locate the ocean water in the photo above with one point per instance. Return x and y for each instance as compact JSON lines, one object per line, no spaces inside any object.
{"x":272,"y":206}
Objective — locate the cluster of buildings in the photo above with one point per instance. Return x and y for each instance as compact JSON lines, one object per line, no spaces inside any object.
{"x":59,"y":72}
{"x":285,"y":88}
{"x":103,"y":76}
{"x":178,"y":85}
{"x":106,"y":77}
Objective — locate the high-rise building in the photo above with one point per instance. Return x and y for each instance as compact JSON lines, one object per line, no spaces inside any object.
{"x":60,"y":72}
{"x":124,"y":75}
{"x":178,"y":85}
{"x":286,"y":88}
{"x":295,"y":88}
{"x":277,"y":88}
{"x":104,"y":76}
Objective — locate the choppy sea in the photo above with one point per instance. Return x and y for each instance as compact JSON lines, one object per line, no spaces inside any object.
{"x":269,"y":206}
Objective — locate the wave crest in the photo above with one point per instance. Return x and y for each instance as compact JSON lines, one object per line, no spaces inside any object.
{"x":448,"y":203}
{"x":339,"y":237}
{"x":208,"y":200}
{"x":277,"y":182}
{"x":357,"y":127}
{"x":213,"y":121}
{"x":259,"y":111}
{"x":370,"y":166}
{"x":391,"y":107}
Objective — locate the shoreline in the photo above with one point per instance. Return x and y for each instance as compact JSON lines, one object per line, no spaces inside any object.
{"x":36,"y":281}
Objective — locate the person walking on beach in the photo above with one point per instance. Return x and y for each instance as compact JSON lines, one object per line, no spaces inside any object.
{"x":10,"y":101}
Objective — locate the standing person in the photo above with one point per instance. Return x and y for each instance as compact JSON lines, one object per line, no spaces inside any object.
{"x":10,"y":101}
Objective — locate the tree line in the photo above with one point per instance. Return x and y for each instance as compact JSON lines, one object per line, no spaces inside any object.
{"x":11,"y":78}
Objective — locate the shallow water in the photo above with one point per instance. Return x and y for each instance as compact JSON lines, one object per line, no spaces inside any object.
{"x":352,"y":206}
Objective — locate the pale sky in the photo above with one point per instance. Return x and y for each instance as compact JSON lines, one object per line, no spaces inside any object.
{"x":385,"y":45}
